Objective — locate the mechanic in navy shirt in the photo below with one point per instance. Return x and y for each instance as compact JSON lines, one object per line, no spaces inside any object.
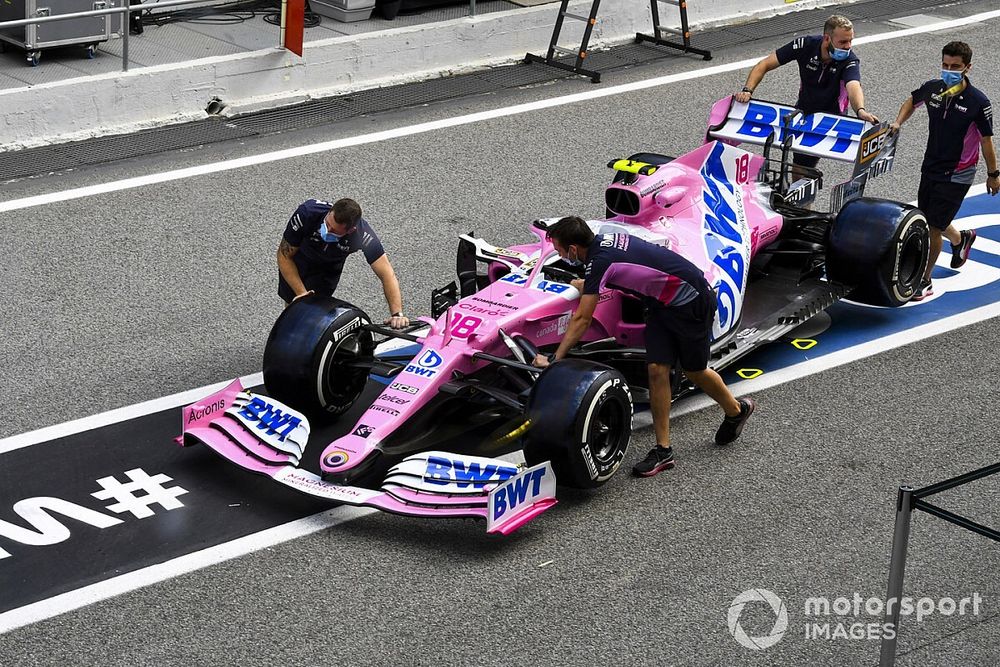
{"x":959,"y":126}
{"x":829,"y":71}
{"x":680,"y":310}
{"x":318,"y":239}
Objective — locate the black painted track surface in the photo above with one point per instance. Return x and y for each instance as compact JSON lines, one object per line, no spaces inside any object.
{"x":118,"y":298}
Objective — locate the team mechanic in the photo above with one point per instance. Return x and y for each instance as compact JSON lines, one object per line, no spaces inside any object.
{"x":959,"y":126}
{"x":680,"y":310}
{"x":318,"y":239}
{"x":829,"y":71}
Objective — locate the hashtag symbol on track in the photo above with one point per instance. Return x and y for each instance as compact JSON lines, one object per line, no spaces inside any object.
{"x":152,"y":489}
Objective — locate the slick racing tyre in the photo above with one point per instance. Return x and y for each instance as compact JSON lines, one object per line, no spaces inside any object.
{"x":307,"y":359}
{"x":879,"y":248}
{"x":581,"y":421}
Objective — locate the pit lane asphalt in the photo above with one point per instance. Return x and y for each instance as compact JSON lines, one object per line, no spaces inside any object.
{"x":118,"y":298}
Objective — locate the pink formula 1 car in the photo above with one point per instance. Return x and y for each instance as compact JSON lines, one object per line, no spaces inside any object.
{"x":430,"y":417}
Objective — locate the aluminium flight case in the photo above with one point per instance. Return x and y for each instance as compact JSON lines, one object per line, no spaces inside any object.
{"x":88,"y":31}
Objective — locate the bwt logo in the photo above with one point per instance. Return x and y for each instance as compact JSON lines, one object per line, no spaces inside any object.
{"x":464,"y":473}
{"x":517,"y":492}
{"x":761,"y":119}
{"x":551,"y":288}
{"x":514,"y":279}
{"x":725,"y":228}
{"x":428,"y":361}
{"x":269,"y":417}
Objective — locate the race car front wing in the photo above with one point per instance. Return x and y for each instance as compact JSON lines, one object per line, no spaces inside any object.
{"x":264,"y":436}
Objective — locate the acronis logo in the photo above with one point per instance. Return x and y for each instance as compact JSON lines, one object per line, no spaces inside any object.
{"x":725,"y":233}
{"x":269,"y":418}
{"x":465,"y":473}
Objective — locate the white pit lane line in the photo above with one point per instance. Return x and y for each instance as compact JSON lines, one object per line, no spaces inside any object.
{"x":109,"y":588}
{"x":374,"y":137}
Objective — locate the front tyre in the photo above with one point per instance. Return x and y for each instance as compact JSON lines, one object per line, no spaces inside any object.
{"x":880,"y":248}
{"x":581,"y":421}
{"x":308,"y":359}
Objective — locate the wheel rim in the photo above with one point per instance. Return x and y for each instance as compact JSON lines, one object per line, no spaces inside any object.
{"x":345,"y":383}
{"x":607,"y":430}
{"x":909,"y":262}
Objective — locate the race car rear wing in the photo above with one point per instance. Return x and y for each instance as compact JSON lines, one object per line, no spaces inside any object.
{"x":871,"y":148}
{"x":264,"y":436}
{"x":822,"y":135}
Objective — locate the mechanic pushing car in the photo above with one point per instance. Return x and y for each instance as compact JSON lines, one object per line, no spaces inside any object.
{"x":960,"y":124}
{"x":829,"y":71}
{"x":680,"y":309}
{"x":318,"y":239}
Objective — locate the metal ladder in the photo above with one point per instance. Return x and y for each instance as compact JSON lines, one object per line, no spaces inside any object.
{"x":659,"y":30}
{"x":580,"y":54}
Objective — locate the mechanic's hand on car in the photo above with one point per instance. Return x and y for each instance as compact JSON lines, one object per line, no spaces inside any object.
{"x":398,"y":321}
{"x":743,"y":96}
{"x":578,"y":284}
{"x":893,"y":127}
{"x":541,"y":361}
{"x":864,"y":114}
{"x":299,"y":296}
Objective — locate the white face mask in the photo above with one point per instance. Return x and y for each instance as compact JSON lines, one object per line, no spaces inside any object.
{"x":571,"y":261}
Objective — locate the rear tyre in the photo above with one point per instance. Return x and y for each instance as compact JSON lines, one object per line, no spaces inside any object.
{"x":581,"y":421}
{"x":879,"y":248}
{"x":309,"y":354}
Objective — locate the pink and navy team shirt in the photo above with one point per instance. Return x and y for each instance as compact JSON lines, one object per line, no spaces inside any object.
{"x":658,"y":276}
{"x":824,"y":85}
{"x":315,"y":254}
{"x":955,"y":128}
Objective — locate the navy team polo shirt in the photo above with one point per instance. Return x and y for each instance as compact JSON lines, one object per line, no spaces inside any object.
{"x":824,"y":85}
{"x":955,"y":128}
{"x":316,"y":256}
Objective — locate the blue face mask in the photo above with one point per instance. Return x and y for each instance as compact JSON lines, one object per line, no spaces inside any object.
{"x":951,"y":78}
{"x":839,"y":54}
{"x":327,"y":235}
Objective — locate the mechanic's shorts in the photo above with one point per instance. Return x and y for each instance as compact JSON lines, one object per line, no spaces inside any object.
{"x":320,"y":283}
{"x":940,"y":200}
{"x":805,"y":160}
{"x":681,"y":335}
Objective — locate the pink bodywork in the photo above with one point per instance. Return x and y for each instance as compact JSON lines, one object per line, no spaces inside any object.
{"x":212,"y":422}
{"x":706,"y":206}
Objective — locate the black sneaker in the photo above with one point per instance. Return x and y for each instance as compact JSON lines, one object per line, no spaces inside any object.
{"x":925,"y":290}
{"x":733,"y":426}
{"x":658,"y":460}
{"x":960,"y":252}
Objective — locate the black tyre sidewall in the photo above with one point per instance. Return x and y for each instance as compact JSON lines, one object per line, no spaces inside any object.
{"x":880,"y":249}
{"x":301,"y":358}
{"x":564,"y":405}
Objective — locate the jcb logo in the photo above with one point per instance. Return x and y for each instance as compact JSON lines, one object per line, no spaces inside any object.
{"x":872,"y":145}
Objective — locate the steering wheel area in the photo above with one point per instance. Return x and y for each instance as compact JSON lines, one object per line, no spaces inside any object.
{"x":559,"y":274}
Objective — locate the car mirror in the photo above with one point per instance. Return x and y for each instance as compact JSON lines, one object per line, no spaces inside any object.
{"x":669,"y":196}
